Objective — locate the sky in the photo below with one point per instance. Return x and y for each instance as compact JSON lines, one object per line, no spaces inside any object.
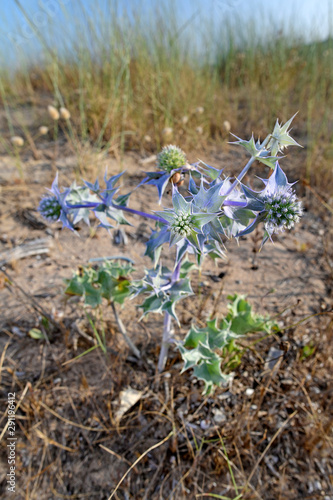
{"x":309,"y":19}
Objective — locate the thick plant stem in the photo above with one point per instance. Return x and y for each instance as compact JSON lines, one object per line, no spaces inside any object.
{"x":122,"y":330}
{"x":167,"y":334}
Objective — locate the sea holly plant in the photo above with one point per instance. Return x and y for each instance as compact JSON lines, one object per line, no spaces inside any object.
{"x":196,"y":223}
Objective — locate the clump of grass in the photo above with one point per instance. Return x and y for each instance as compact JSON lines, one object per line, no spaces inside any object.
{"x":127,"y":76}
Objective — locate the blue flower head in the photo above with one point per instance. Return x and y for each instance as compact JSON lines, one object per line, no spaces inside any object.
{"x":182,"y":222}
{"x":277,"y":205}
{"x":53,"y":208}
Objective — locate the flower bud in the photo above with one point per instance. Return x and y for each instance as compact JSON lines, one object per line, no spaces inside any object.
{"x":170,"y":158}
{"x":199,"y":130}
{"x":199,"y":110}
{"x":53,"y":112}
{"x":184,"y":120}
{"x":17,"y":141}
{"x":65,"y":114}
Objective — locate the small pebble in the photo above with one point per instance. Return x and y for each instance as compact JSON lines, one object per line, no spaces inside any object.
{"x":219,"y":416}
{"x":204,"y":424}
{"x":17,"y":331}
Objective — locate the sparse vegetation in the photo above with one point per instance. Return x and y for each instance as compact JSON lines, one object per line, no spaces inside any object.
{"x":94,"y":417}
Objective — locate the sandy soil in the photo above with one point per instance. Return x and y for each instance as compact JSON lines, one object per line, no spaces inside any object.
{"x":278,"y":438}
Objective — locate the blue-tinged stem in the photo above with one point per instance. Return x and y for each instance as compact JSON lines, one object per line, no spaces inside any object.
{"x":117,"y":207}
{"x":137,"y":212}
{"x":246,"y":168}
{"x":176,"y":272}
{"x":167,"y":330}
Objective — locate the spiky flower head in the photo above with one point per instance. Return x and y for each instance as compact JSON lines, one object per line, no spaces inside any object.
{"x":53,"y":208}
{"x":50,"y":208}
{"x":277,"y":205}
{"x":170,"y":158}
{"x":283,"y":210}
{"x":182,"y":222}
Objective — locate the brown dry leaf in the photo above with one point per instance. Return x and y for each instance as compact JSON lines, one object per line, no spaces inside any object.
{"x":128,"y":398}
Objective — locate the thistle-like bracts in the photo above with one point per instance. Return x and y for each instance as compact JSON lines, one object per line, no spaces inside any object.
{"x":277,"y":205}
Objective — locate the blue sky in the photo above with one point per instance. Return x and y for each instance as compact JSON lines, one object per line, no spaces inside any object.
{"x":311,"y":19}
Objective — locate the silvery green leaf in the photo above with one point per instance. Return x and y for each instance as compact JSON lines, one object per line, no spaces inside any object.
{"x":251,"y":146}
{"x":155,"y":242}
{"x":167,"y":215}
{"x":210,"y":373}
{"x":280,"y":138}
{"x":270,"y":161}
{"x":163,"y":292}
{"x":36,"y":334}
{"x":102,"y":217}
{"x":193,"y":188}
{"x":200,"y":219}
{"x":208,"y":200}
{"x":179,"y":202}
{"x":117,"y":215}
{"x":186,"y":268}
{"x":212,"y":172}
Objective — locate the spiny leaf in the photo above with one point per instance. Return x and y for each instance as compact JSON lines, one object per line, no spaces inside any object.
{"x":110,"y":281}
{"x":204,"y":348}
{"x":211,"y":374}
